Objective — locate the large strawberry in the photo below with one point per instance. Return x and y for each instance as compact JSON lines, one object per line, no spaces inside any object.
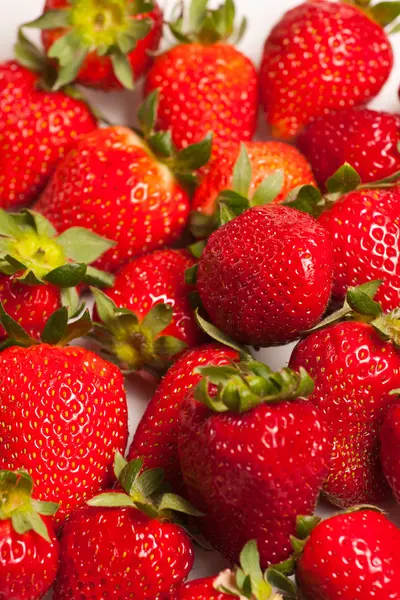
{"x":205,"y":83}
{"x":64,"y":412}
{"x":390,"y":447}
{"x":355,"y":365}
{"x":156,"y":437}
{"x":253,"y":455}
{"x":105,"y":45}
{"x":125,"y":544}
{"x":29,"y":547}
{"x":324,"y":56}
{"x":125,"y":187}
{"x":39,"y":269}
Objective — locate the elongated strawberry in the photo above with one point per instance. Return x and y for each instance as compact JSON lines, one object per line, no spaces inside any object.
{"x":125,"y":187}
{"x":29,"y":547}
{"x":354,"y":60}
{"x":105,"y":45}
{"x":251,"y":437}
{"x":390,"y":447}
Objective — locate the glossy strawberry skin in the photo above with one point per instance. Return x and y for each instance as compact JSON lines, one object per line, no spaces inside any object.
{"x":64,"y":416}
{"x":121,"y":553}
{"x":366,"y":139}
{"x":28,"y":564}
{"x":97,"y":71}
{"x":354,"y":370}
{"x":111,"y":184}
{"x":275,"y":455}
{"x":205,"y":88}
{"x":365,"y":229}
{"x":354,"y":61}
{"x":352,"y":556}
{"x":37,"y":129}
{"x":200,"y":589}
{"x":266,"y":276}
{"x":390,"y":448}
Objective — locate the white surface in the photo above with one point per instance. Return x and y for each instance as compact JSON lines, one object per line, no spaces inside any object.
{"x":121,"y":107}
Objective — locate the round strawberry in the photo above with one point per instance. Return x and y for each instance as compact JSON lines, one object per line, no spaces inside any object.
{"x":125,"y":187}
{"x":390,"y":447}
{"x":29,"y":547}
{"x":323,"y":56}
{"x":205,"y":83}
{"x":105,"y":45}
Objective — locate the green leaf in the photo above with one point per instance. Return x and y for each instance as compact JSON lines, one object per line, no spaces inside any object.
{"x":70,"y":53}
{"x":195,"y":156}
{"x":234,"y":202}
{"x":28,"y":55}
{"x":71,"y":300}
{"x":191,"y":275}
{"x":177,"y":31}
{"x":242,"y":173}
{"x":161,"y":143}
{"x":55,"y":327}
{"x":68,"y":275}
{"x":147,"y":113}
{"x":305,"y":525}
{"x":178,"y":504}
{"x":158,"y":318}
{"x":97,"y":278}
{"x":282,"y":583}
{"x":78,"y":328}
{"x":202,"y":226}
{"x":196,"y":249}
{"x":141,"y":7}
{"x":23,"y":521}
{"x":218,"y":335}
{"x":8,"y":225}
{"x":240,"y":32}
{"x":395,"y":29}
{"x":385,"y":13}
{"x":119,"y":464}
{"x":105,"y":306}
{"x":130,"y":475}
{"x":149,"y":482}
{"x":82,"y":245}
{"x":226,"y":214}
{"x":269,"y":189}
{"x":370,"y":287}
{"x":197,"y":13}
{"x":14,"y":330}
{"x":362,"y":304}
{"x":52,"y":19}
{"x":122,"y":69}
{"x":42,"y":225}
{"x":306,"y":198}
{"x":250,"y":560}
{"x":111,"y":500}
{"x":346,"y":179}
{"x":47,"y":509}
{"x":168,"y":346}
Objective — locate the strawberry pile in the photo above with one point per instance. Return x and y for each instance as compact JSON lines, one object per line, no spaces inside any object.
{"x":167,"y":254}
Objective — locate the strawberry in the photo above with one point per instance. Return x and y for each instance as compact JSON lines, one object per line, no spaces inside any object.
{"x":125,"y":544}
{"x":64,"y":412}
{"x":29,"y":547}
{"x":205,"y":83}
{"x":390,"y":444}
{"x":366,"y":139}
{"x":354,"y":60}
{"x":156,"y":437}
{"x":252,"y":437}
{"x":123,"y":187}
{"x":38,"y":269}
{"x":105,"y":45}
{"x":355,"y":366}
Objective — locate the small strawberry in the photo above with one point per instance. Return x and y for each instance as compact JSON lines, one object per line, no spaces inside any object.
{"x":366,"y":139}
{"x":355,"y":365}
{"x":126,"y":544}
{"x":205,"y":83}
{"x":39,"y":269}
{"x":64,"y":412}
{"x":29,"y":547}
{"x":156,"y":437}
{"x":105,"y":45}
{"x":125,"y":187}
{"x":390,"y":447}
{"x":251,"y":447}
{"x":324,"y":56}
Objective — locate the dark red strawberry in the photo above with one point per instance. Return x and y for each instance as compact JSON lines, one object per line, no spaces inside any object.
{"x":390,"y":447}
{"x":251,"y":449}
{"x":29,"y":547}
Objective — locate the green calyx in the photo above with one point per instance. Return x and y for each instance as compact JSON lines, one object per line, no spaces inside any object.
{"x":106,"y":27}
{"x":207,"y":26}
{"x":383,"y":13}
{"x":17,"y":504}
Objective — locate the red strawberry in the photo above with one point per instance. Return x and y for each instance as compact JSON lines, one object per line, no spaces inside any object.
{"x":323,"y":56}
{"x":37,"y":129}
{"x":390,"y":447}
{"x":64,"y":413}
{"x":126,"y":544}
{"x":29,"y":547}
{"x":366,"y":139}
{"x":156,"y":437}
{"x":205,"y":83}
{"x":252,"y":439}
{"x":122,"y":187}
{"x":355,"y":367}
{"x":105,"y":45}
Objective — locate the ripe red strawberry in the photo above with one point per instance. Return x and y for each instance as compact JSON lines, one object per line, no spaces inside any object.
{"x":156,"y":437}
{"x":123,"y":187}
{"x":355,"y":366}
{"x":252,"y":438}
{"x":366,"y":139}
{"x":126,"y":544}
{"x":105,"y":45}
{"x":323,"y":56}
{"x":390,"y":446}
{"x":205,"y":83}
{"x":64,"y":412}
{"x":29,"y":547}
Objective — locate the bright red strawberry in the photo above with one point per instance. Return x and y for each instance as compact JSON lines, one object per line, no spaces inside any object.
{"x":355,"y":366}
{"x":156,"y":437}
{"x":252,"y":438}
{"x":390,"y":448}
{"x":366,"y":139}
{"x":354,"y":60}
{"x":105,"y":45}
{"x":125,"y":544}
{"x":64,"y":413}
{"x":206,"y":84}
{"x":123,"y":187}
{"x":29,"y":547}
